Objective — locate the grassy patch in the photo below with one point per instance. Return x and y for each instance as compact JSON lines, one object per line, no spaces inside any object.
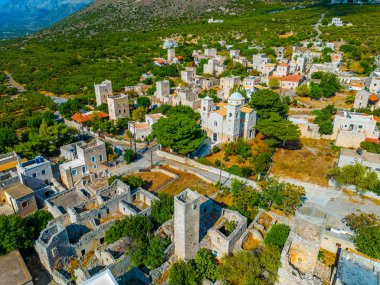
{"x":188,"y":180}
{"x":153,"y":180}
{"x":311,"y":163}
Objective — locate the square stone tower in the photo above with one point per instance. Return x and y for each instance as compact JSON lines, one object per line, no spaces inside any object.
{"x":118,"y":106}
{"x":162,"y":89}
{"x":186,"y":224}
{"x":102,"y":91}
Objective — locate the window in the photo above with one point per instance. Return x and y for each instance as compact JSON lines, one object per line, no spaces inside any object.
{"x":95,"y":166}
{"x":101,"y":157}
{"x":84,"y":169}
{"x":24,"y":204}
{"x":74,"y":172}
{"x":43,"y":172}
{"x":34,"y":175}
{"x":93,"y":159}
{"x":215,"y":124}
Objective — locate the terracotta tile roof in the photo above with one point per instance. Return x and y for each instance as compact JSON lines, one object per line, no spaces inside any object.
{"x":289,"y":78}
{"x":141,"y":125}
{"x":159,"y":60}
{"x":222,"y":105}
{"x":372,"y":140}
{"x":246,"y":110}
{"x":373,"y":98}
{"x":83,"y":118}
{"x":356,"y":83}
{"x":156,"y":116}
{"x":222,"y":112}
{"x":376,"y":118}
{"x":284,"y":64}
{"x":180,"y":57}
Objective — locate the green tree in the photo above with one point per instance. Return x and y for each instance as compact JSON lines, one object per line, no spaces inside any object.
{"x":266,"y":102}
{"x":324,"y":119}
{"x":155,"y":252}
{"x":303,"y":90}
{"x":129,"y":156}
{"x":19,"y":233}
{"x":274,"y":83}
{"x":143,"y":102}
{"x":206,"y":264}
{"x":367,"y":229}
{"x":179,"y":132}
{"x":8,"y":138}
{"x":183,"y":110}
{"x":357,"y":175}
{"x":316,"y":92}
{"x":139,"y":114}
{"x":163,"y":209}
{"x":370,"y":146}
{"x":277,"y":236}
{"x":182,"y":273}
{"x":284,"y":196}
{"x":246,"y":268}
{"x":139,"y":228}
{"x":277,"y":130}
{"x":133,"y":181}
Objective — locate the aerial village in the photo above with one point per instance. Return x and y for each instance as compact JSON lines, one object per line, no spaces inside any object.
{"x":100,"y":181}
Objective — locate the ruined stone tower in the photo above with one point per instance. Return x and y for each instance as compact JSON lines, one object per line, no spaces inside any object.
{"x":186,"y":224}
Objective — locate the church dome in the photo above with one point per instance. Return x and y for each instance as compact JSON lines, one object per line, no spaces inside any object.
{"x":236,"y":96}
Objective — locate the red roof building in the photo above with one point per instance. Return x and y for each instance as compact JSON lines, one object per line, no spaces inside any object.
{"x":84,"y":118}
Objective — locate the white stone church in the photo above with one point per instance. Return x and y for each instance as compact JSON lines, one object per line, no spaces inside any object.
{"x":226,"y":122}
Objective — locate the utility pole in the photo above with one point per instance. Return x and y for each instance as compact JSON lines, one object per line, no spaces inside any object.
{"x":151,"y":159}
{"x":134,"y":135}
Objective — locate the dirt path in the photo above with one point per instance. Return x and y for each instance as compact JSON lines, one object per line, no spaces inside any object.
{"x":14,"y":83}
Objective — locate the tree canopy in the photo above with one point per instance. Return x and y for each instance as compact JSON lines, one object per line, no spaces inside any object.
{"x":367,"y":230}
{"x":357,"y":175}
{"x":19,"y":233}
{"x":277,"y":130}
{"x":179,"y":132}
{"x":266,"y":102}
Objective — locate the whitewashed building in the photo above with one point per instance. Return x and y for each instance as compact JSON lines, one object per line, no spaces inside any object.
{"x":226,"y":122}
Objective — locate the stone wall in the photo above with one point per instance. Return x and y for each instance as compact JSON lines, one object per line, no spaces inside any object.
{"x":211,"y":169}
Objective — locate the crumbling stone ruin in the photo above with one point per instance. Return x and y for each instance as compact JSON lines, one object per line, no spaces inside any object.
{"x":73,"y":244}
{"x":300,"y":253}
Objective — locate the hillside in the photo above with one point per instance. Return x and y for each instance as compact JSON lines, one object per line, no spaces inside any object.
{"x":18,"y":17}
{"x":117,"y":39}
{"x":131,"y":15}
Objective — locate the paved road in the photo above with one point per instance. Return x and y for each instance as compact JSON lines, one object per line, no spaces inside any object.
{"x":336,"y":203}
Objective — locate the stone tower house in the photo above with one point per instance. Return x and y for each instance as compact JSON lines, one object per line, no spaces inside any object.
{"x":186,"y":224}
{"x":102,"y":91}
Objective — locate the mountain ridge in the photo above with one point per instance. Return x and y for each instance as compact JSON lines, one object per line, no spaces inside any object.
{"x":19,"y":17}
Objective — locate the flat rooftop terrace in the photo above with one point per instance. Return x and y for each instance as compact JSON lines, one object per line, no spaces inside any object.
{"x":67,"y":200}
{"x":13,"y":269}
